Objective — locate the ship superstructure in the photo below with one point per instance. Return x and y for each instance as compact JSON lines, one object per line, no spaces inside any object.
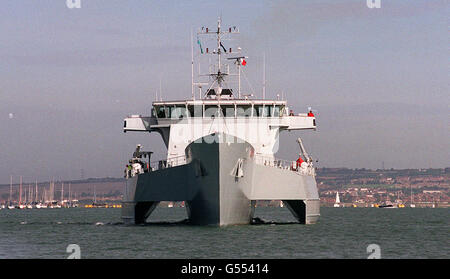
{"x":220,"y":153}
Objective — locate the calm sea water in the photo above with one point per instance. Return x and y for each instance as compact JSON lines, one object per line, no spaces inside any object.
{"x":341,"y":233}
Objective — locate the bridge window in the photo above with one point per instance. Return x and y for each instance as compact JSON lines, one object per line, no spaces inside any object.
{"x":195,"y":110}
{"x":227,"y":110}
{"x":211,"y":111}
{"x":276,"y":111}
{"x":258,"y":110}
{"x":244,"y":111}
{"x":160,"y":112}
{"x":178,"y":111}
{"x":263,"y":110}
{"x":267,"y":111}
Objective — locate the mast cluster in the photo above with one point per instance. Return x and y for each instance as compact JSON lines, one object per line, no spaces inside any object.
{"x":219,"y":74}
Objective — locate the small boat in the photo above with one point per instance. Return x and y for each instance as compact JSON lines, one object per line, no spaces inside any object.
{"x":337,"y":203}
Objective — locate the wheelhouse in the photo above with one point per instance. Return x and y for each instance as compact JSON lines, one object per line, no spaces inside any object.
{"x":219,"y":108}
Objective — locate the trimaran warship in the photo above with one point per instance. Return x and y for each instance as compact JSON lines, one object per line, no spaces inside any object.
{"x":220,"y":152}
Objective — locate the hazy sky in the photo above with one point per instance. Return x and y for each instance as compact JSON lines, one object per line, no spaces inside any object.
{"x":378,"y":78}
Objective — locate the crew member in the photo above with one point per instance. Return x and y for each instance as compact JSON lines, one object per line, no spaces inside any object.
{"x":310,"y":113}
{"x":299,"y":161}
{"x":129,"y":170}
{"x":126,"y":171}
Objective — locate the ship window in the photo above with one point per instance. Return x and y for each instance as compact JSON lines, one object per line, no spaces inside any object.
{"x":195,"y":111}
{"x":258,"y":110}
{"x":282,"y":111}
{"x":276,"y":111}
{"x":161,"y":112}
{"x":244,"y":111}
{"x":169,"y":110}
{"x":178,"y":111}
{"x":266,"y":111}
{"x":211,"y":111}
{"x":227,"y":111}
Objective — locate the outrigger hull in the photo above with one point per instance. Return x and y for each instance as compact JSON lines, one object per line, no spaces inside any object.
{"x":220,"y":185}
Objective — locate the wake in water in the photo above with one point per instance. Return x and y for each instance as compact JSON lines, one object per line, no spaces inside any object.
{"x":259,"y":221}
{"x":254,"y":221}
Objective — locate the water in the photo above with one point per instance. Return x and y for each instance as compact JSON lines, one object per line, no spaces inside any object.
{"x":341,"y":233}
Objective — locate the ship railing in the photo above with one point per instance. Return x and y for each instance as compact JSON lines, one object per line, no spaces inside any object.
{"x":284,"y":164}
{"x":168,"y":163}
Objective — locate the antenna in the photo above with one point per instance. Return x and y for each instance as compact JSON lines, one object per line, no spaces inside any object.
{"x":264,"y":77}
{"x":216,"y":73}
{"x":160,"y":89}
{"x":192,"y":66}
{"x":239,"y":61}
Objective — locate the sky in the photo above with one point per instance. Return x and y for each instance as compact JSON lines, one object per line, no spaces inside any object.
{"x":378,"y":79}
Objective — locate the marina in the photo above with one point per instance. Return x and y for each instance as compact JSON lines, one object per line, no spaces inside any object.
{"x":30,"y":197}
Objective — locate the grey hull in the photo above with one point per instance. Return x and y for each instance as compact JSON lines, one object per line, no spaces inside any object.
{"x":220,"y":186}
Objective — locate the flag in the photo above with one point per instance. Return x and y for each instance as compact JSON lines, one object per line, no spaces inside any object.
{"x":200,"y":44}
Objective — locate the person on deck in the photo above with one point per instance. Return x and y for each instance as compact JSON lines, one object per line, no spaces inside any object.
{"x":126,"y":172}
{"x":299,"y":161}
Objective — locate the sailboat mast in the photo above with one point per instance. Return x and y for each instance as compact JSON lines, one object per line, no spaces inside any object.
{"x":70,"y":198}
{"x":20,"y":191}
{"x":10,"y":190}
{"x":36,"y":192}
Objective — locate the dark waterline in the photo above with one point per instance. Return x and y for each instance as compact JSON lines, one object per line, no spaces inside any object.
{"x":340,"y":233}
